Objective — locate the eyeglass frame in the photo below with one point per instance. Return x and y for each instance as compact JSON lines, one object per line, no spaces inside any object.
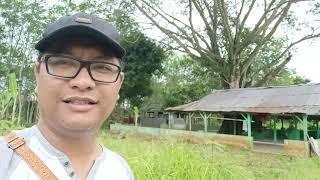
{"x":45,"y":57}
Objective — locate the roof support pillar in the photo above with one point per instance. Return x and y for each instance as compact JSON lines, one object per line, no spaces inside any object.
{"x":170,"y":119}
{"x":274,"y":128}
{"x":304,"y":121}
{"x":190,"y":115}
{"x":205,"y":117}
{"x":305,"y":127}
{"x":318,"y":130}
{"x":248,"y":118}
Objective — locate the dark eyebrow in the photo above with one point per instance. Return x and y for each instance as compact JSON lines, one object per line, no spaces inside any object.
{"x":97,"y":58}
{"x":108,"y":59}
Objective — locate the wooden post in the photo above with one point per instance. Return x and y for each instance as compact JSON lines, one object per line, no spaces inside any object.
{"x":170,"y":119}
{"x":304,"y":121}
{"x":318,"y":132}
{"x":305,"y":127}
{"x":136,"y":115}
{"x":248,"y":118}
{"x":190,"y":121}
{"x":205,"y":118}
{"x":274,"y":127}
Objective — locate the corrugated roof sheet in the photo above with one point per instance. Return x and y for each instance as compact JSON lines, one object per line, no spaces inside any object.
{"x":274,"y":100}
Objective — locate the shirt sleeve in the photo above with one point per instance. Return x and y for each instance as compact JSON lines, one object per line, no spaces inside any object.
{"x":6,"y":155}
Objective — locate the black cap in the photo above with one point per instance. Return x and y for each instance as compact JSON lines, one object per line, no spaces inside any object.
{"x":82,"y":25}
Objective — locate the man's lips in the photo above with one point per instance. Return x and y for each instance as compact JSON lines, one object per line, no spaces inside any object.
{"x":78,"y":100}
{"x":80,"y":104}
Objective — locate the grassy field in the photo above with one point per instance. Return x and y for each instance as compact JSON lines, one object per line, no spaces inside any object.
{"x":175,"y":159}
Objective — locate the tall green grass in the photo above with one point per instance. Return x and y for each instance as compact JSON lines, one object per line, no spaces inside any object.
{"x":167,"y":159}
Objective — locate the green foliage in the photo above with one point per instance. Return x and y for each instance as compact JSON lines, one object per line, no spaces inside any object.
{"x":7,"y":125}
{"x":143,"y":59}
{"x":156,"y":101}
{"x":9,"y":96}
{"x":288,"y":77}
{"x":267,"y":59}
{"x":184,"y":80}
{"x":21,"y":22}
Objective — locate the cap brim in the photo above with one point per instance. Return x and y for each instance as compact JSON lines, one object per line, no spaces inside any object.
{"x":80,"y":31}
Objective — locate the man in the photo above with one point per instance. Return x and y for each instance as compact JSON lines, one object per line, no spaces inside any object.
{"x":78,"y":76}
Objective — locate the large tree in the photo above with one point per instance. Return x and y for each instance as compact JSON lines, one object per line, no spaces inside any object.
{"x":228,"y":36}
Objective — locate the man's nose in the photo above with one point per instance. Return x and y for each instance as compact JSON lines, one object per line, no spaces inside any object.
{"x":82,"y":81}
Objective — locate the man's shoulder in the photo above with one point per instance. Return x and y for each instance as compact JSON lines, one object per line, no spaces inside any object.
{"x":3,"y":145}
{"x":4,"y":150}
{"x":110,"y":156}
{"x":117,"y":162}
{"x":7,"y":154}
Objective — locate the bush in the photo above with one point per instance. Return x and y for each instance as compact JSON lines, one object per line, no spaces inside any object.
{"x":7,"y":126}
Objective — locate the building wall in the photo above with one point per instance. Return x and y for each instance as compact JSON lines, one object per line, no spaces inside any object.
{"x":296,"y":148}
{"x":232,"y":140}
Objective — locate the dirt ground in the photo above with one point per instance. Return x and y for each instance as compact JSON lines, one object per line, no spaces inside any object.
{"x":268,"y":148}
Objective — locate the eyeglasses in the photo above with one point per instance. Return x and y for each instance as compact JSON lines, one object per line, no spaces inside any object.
{"x":65,"y":66}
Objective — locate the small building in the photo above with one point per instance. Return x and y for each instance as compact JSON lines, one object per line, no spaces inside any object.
{"x":277,"y":115}
{"x":156,"y":119}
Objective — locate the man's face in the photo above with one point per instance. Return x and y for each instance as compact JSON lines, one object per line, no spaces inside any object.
{"x":79,"y":104}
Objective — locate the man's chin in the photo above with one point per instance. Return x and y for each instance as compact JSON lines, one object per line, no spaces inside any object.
{"x":79,"y":126}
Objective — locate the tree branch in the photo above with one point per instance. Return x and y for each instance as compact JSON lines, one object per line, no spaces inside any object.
{"x":246,"y":15}
{"x":273,"y":72}
{"x":265,"y":39}
{"x":213,"y":35}
{"x":191,"y":25}
{"x":226,"y":25}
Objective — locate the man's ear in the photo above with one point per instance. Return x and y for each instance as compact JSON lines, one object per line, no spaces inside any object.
{"x":121,"y":77}
{"x":36,"y":70}
{"x":120,"y":80}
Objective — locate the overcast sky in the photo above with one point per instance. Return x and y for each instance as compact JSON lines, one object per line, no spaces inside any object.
{"x":307,"y":61}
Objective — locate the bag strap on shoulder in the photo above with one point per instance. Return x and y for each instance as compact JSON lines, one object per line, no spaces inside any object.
{"x":18,"y":145}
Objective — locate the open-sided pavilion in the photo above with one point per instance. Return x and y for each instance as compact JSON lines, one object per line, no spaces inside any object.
{"x":299,"y":102}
